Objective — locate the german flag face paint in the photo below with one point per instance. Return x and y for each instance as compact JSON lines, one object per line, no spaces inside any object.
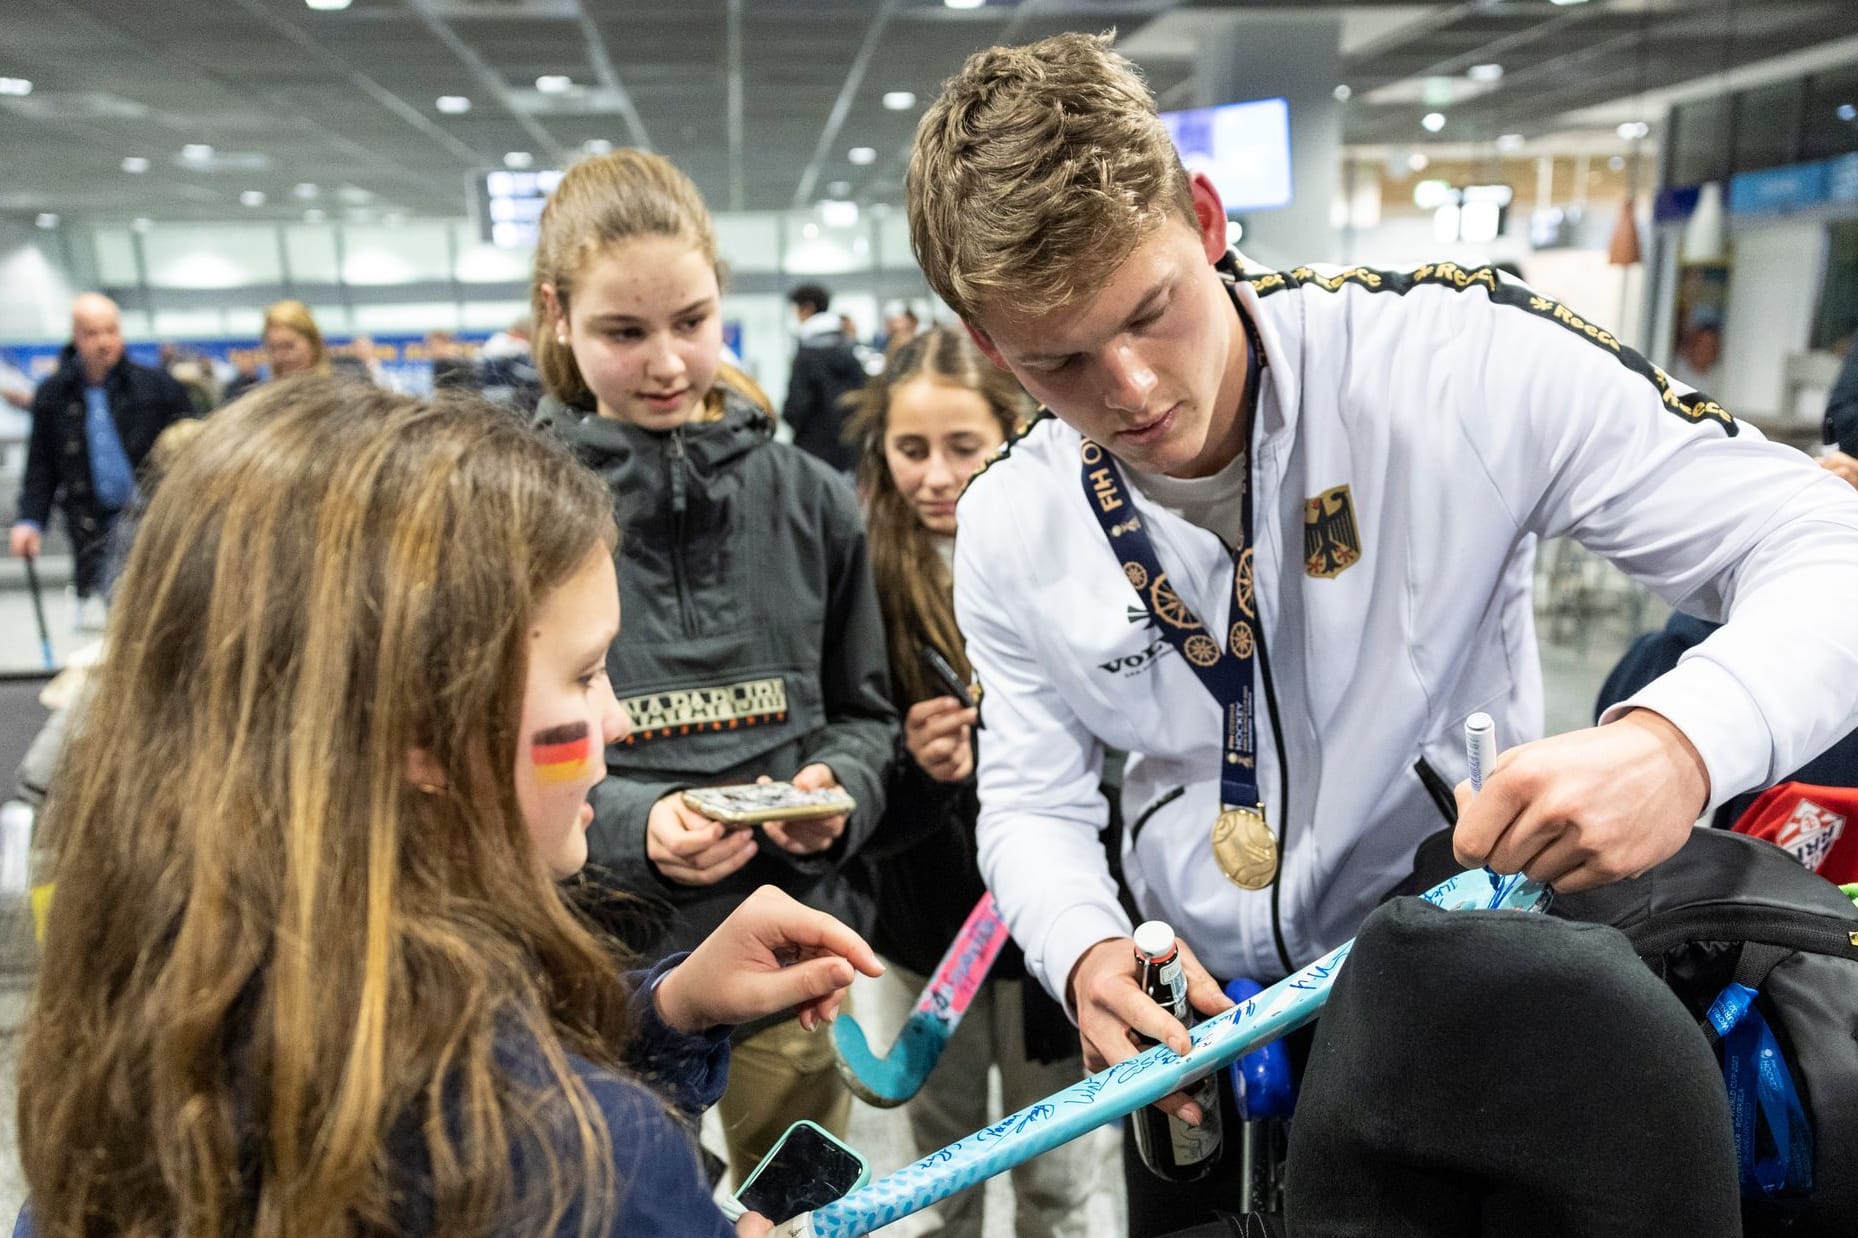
{"x":562,"y":753}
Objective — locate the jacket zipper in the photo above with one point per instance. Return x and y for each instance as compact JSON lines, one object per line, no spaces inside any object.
{"x":1283,"y":801}
{"x":674,"y":462}
{"x":1438,"y":790}
{"x":1152,"y":809}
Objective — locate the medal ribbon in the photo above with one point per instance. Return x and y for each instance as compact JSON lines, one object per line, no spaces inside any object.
{"x":1224,"y":667}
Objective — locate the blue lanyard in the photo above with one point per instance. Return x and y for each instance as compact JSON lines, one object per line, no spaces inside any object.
{"x":1773,"y":1141}
{"x":1226,"y":672}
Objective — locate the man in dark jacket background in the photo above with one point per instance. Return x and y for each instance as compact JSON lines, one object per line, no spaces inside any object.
{"x":93,"y":422}
{"x":825,"y":370}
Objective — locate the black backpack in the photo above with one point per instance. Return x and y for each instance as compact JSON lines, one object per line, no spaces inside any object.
{"x":1732,"y":909}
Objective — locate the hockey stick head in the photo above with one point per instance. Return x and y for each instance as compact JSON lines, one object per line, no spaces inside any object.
{"x":888,"y":1081}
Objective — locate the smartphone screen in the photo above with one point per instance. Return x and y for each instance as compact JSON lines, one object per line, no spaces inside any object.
{"x":808,"y":1170}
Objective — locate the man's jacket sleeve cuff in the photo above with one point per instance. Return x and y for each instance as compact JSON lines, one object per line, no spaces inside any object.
{"x":1720,"y":719}
{"x":1073,"y":932}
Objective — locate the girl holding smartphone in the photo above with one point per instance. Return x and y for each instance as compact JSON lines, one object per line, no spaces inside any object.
{"x":753,"y":642}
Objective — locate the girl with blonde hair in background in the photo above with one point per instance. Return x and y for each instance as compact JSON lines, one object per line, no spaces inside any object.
{"x":309,"y":969}
{"x":754,"y":646}
{"x":940,"y":411}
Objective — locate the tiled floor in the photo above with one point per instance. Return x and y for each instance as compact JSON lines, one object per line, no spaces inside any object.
{"x":1591,"y":639}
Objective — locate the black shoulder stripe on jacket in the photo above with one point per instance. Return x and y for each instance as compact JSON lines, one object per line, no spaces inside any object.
{"x":1006,"y":448}
{"x":1695,"y":408}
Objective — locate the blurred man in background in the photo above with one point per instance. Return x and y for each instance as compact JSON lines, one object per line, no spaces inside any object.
{"x":93,"y":422}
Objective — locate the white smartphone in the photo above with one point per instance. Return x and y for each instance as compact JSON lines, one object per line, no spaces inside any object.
{"x":752,"y":802}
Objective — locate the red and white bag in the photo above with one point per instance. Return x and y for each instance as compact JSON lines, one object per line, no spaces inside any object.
{"x":1818,"y":826}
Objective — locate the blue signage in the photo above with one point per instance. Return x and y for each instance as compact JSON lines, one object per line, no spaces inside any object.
{"x":1842,"y":179}
{"x":1777,"y":189}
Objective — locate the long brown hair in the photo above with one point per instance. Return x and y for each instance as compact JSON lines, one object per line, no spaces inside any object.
{"x":601,"y":202}
{"x":913,"y":583}
{"x":269,"y":951}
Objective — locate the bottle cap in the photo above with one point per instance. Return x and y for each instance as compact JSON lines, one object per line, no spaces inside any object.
{"x":1154,"y":938}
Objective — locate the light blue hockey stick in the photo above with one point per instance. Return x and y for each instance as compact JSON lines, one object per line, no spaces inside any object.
{"x":1127,"y":1086}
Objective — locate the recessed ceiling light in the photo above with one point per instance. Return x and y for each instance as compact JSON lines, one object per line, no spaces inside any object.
{"x":518,"y":159}
{"x":1848,"y":112}
{"x":597,"y":146}
{"x":1565,"y":3}
{"x":1433,"y":121}
{"x":47,"y":219}
{"x":861,"y":155}
{"x":1508,"y":142}
{"x":1342,"y":92}
{"x":1417,"y":162}
{"x":15,"y":86}
{"x":452,"y":105}
{"x":839,"y":189}
{"x":964,"y":4}
{"x":1484,"y":72}
{"x":136,"y":164}
{"x":306,"y":191}
{"x":141,"y":223}
{"x":314,"y":216}
{"x":1632,"y":130}
{"x":328,"y":6}
{"x":554,"y":84}
{"x":836,"y":213}
{"x":810,"y":232}
{"x":252,"y":197}
{"x":196,"y":152}
{"x":899,"y":100}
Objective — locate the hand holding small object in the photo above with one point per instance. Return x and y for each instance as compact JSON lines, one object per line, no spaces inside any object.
{"x":770,"y":955}
{"x":1588,"y":807}
{"x":808,"y":835}
{"x":689,"y":848}
{"x":939,"y":734}
{"x":1111,"y":1005}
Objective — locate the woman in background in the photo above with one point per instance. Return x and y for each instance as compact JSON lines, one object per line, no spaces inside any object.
{"x":934,"y":418}
{"x":293,"y":344}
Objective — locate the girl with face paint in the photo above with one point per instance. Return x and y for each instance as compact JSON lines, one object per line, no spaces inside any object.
{"x":311,"y":965}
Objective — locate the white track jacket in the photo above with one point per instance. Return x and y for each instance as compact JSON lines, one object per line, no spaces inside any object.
{"x":1466,"y":417}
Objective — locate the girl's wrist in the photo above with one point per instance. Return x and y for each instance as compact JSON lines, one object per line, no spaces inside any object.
{"x":668,"y":1000}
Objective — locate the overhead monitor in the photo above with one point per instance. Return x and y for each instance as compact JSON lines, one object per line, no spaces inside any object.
{"x":510,"y":205}
{"x":1243,"y":147}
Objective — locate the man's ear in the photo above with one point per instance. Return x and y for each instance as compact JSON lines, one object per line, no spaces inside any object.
{"x":985,"y":345}
{"x":1209,"y":216}
{"x":423,"y":771}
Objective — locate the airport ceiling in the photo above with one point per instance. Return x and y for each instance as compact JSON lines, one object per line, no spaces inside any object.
{"x":761,"y":101}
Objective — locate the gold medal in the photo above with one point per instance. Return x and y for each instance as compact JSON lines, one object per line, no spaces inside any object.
{"x":1245,"y":847}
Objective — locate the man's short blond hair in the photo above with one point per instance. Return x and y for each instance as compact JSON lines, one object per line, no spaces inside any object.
{"x":1035,"y":173}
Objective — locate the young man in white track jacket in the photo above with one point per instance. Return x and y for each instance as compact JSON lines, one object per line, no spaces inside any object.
{"x":1406,"y":438}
